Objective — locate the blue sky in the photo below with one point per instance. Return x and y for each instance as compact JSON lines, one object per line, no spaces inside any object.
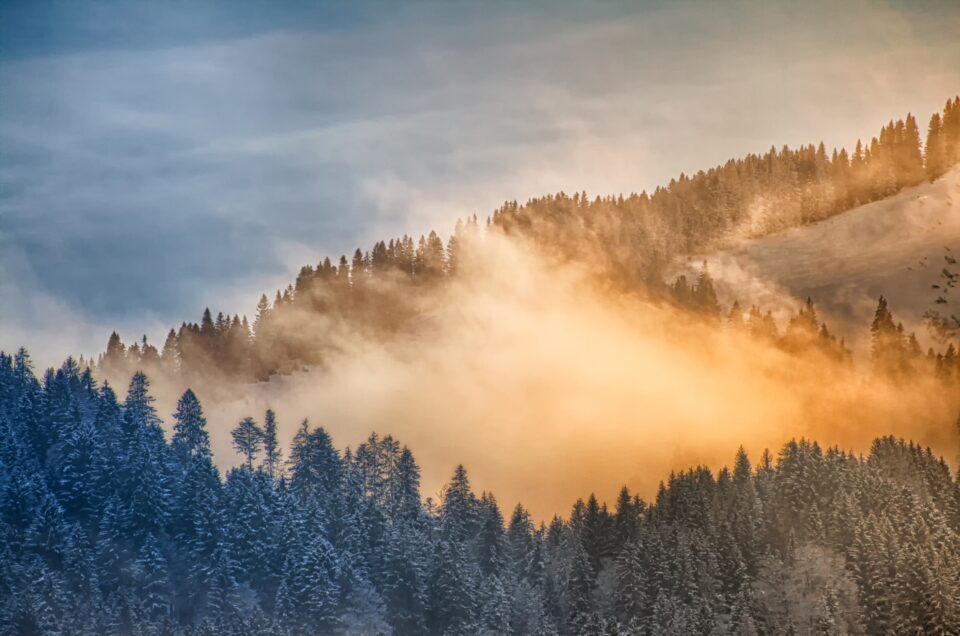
{"x":156,"y":158}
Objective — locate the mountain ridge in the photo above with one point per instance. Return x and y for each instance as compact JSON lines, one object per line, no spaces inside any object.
{"x":628,"y":240}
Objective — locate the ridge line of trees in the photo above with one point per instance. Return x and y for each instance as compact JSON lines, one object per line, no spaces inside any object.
{"x":627,"y":240}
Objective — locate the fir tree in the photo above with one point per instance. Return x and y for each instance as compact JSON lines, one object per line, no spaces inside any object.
{"x":271,"y":446}
{"x":190,"y":438}
{"x":247,"y":440}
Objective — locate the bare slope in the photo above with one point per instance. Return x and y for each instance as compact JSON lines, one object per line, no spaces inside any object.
{"x":895,"y":247}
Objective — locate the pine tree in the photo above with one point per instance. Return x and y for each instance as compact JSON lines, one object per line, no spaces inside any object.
{"x":911,"y":168}
{"x":152,"y":583}
{"x":580,"y":588}
{"x":735,"y":317}
{"x":75,"y":473}
{"x":452,"y":608}
{"x":404,"y":585}
{"x":950,"y":129}
{"x":828,"y":621}
{"x":494,"y":606}
{"x":458,"y":515}
{"x":491,"y":545}
{"x":271,"y":447}
{"x":308,"y":592}
{"x":211,"y":590}
{"x":886,"y":342}
{"x":258,"y":522}
{"x":247,"y":440}
{"x":316,"y":470}
{"x":144,"y":478}
{"x":631,"y":599}
{"x":110,"y":530}
{"x":523,"y":555}
{"x":190,"y":438}
{"x":936,"y":158}
{"x":170,"y":354}
{"x":138,"y":410}
{"x":407,"y":505}
{"x":704,"y":294}
{"x":208,"y":331}
{"x":116,"y":353}
{"x":742,"y":621}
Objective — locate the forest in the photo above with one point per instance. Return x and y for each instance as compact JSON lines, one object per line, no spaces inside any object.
{"x":116,"y":521}
{"x":627,"y":242}
{"x":108,"y":528}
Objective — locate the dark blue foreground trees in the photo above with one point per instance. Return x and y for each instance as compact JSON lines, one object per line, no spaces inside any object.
{"x":106,"y":528}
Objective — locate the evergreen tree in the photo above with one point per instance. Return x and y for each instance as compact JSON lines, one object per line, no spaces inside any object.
{"x":143,"y":478}
{"x":190,"y":438}
{"x":936,"y":158}
{"x":151,"y":578}
{"x":704,"y":294}
{"x":308,"y":592}
{"x":580,"y":589}
{"x":316,"y":471}
{"x":407,"y":506}
{"x":886,"y":347}
{"x":491,"y":544}
{"x":271,"y":447}
{"x":452,"y":592}
{"x":404,"y":586}
{"x":458,"y":515}
{"x":116,"y":352}
{"x":247,"y":440}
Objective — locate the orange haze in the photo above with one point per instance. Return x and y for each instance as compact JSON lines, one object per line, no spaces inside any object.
{"x":547,"y":389}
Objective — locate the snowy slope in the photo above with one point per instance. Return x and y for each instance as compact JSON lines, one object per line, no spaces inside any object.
{"x":895,"y":247}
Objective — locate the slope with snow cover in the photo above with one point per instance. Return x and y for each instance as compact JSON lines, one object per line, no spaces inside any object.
{"x":896,"y":247}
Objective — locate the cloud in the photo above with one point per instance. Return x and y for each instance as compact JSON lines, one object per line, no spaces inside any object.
{"x":547,"y":388}
{"x":162,"y":163}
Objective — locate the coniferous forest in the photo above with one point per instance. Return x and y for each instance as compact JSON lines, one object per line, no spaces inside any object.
{"x":108,"y":528}
{"x":115,"y":518}
{"x":627,"y":241}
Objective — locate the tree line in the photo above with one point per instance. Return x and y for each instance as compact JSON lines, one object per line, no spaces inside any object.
{"x":894,"y":354}
{"x":626,"y":240}
{"x":110,"y":524}
{"x":630,"y":237}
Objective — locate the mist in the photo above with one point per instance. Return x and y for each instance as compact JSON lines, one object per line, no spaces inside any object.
{"x":188,"y":124}
{"x":548,"y":386}
{"x":894,"y":247}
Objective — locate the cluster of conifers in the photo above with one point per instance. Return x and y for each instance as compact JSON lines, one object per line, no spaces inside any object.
{"x":109,"y":527}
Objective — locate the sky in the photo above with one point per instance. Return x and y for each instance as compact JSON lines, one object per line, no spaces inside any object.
{"x":158,"y":158}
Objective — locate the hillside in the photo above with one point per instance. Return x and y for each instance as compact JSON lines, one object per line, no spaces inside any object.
{"x":627,"y":242}
{"x":894,"y":247}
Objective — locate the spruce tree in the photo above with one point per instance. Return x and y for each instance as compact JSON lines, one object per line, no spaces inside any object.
{"x":247,"y":440}
{"x":936,"y":158}
{"x":271,"y":446}
{"x":190,"y":438}
{"x":886,"y":348}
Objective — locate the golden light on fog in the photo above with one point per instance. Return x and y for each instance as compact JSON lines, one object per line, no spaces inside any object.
{"x":549,"y":388}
